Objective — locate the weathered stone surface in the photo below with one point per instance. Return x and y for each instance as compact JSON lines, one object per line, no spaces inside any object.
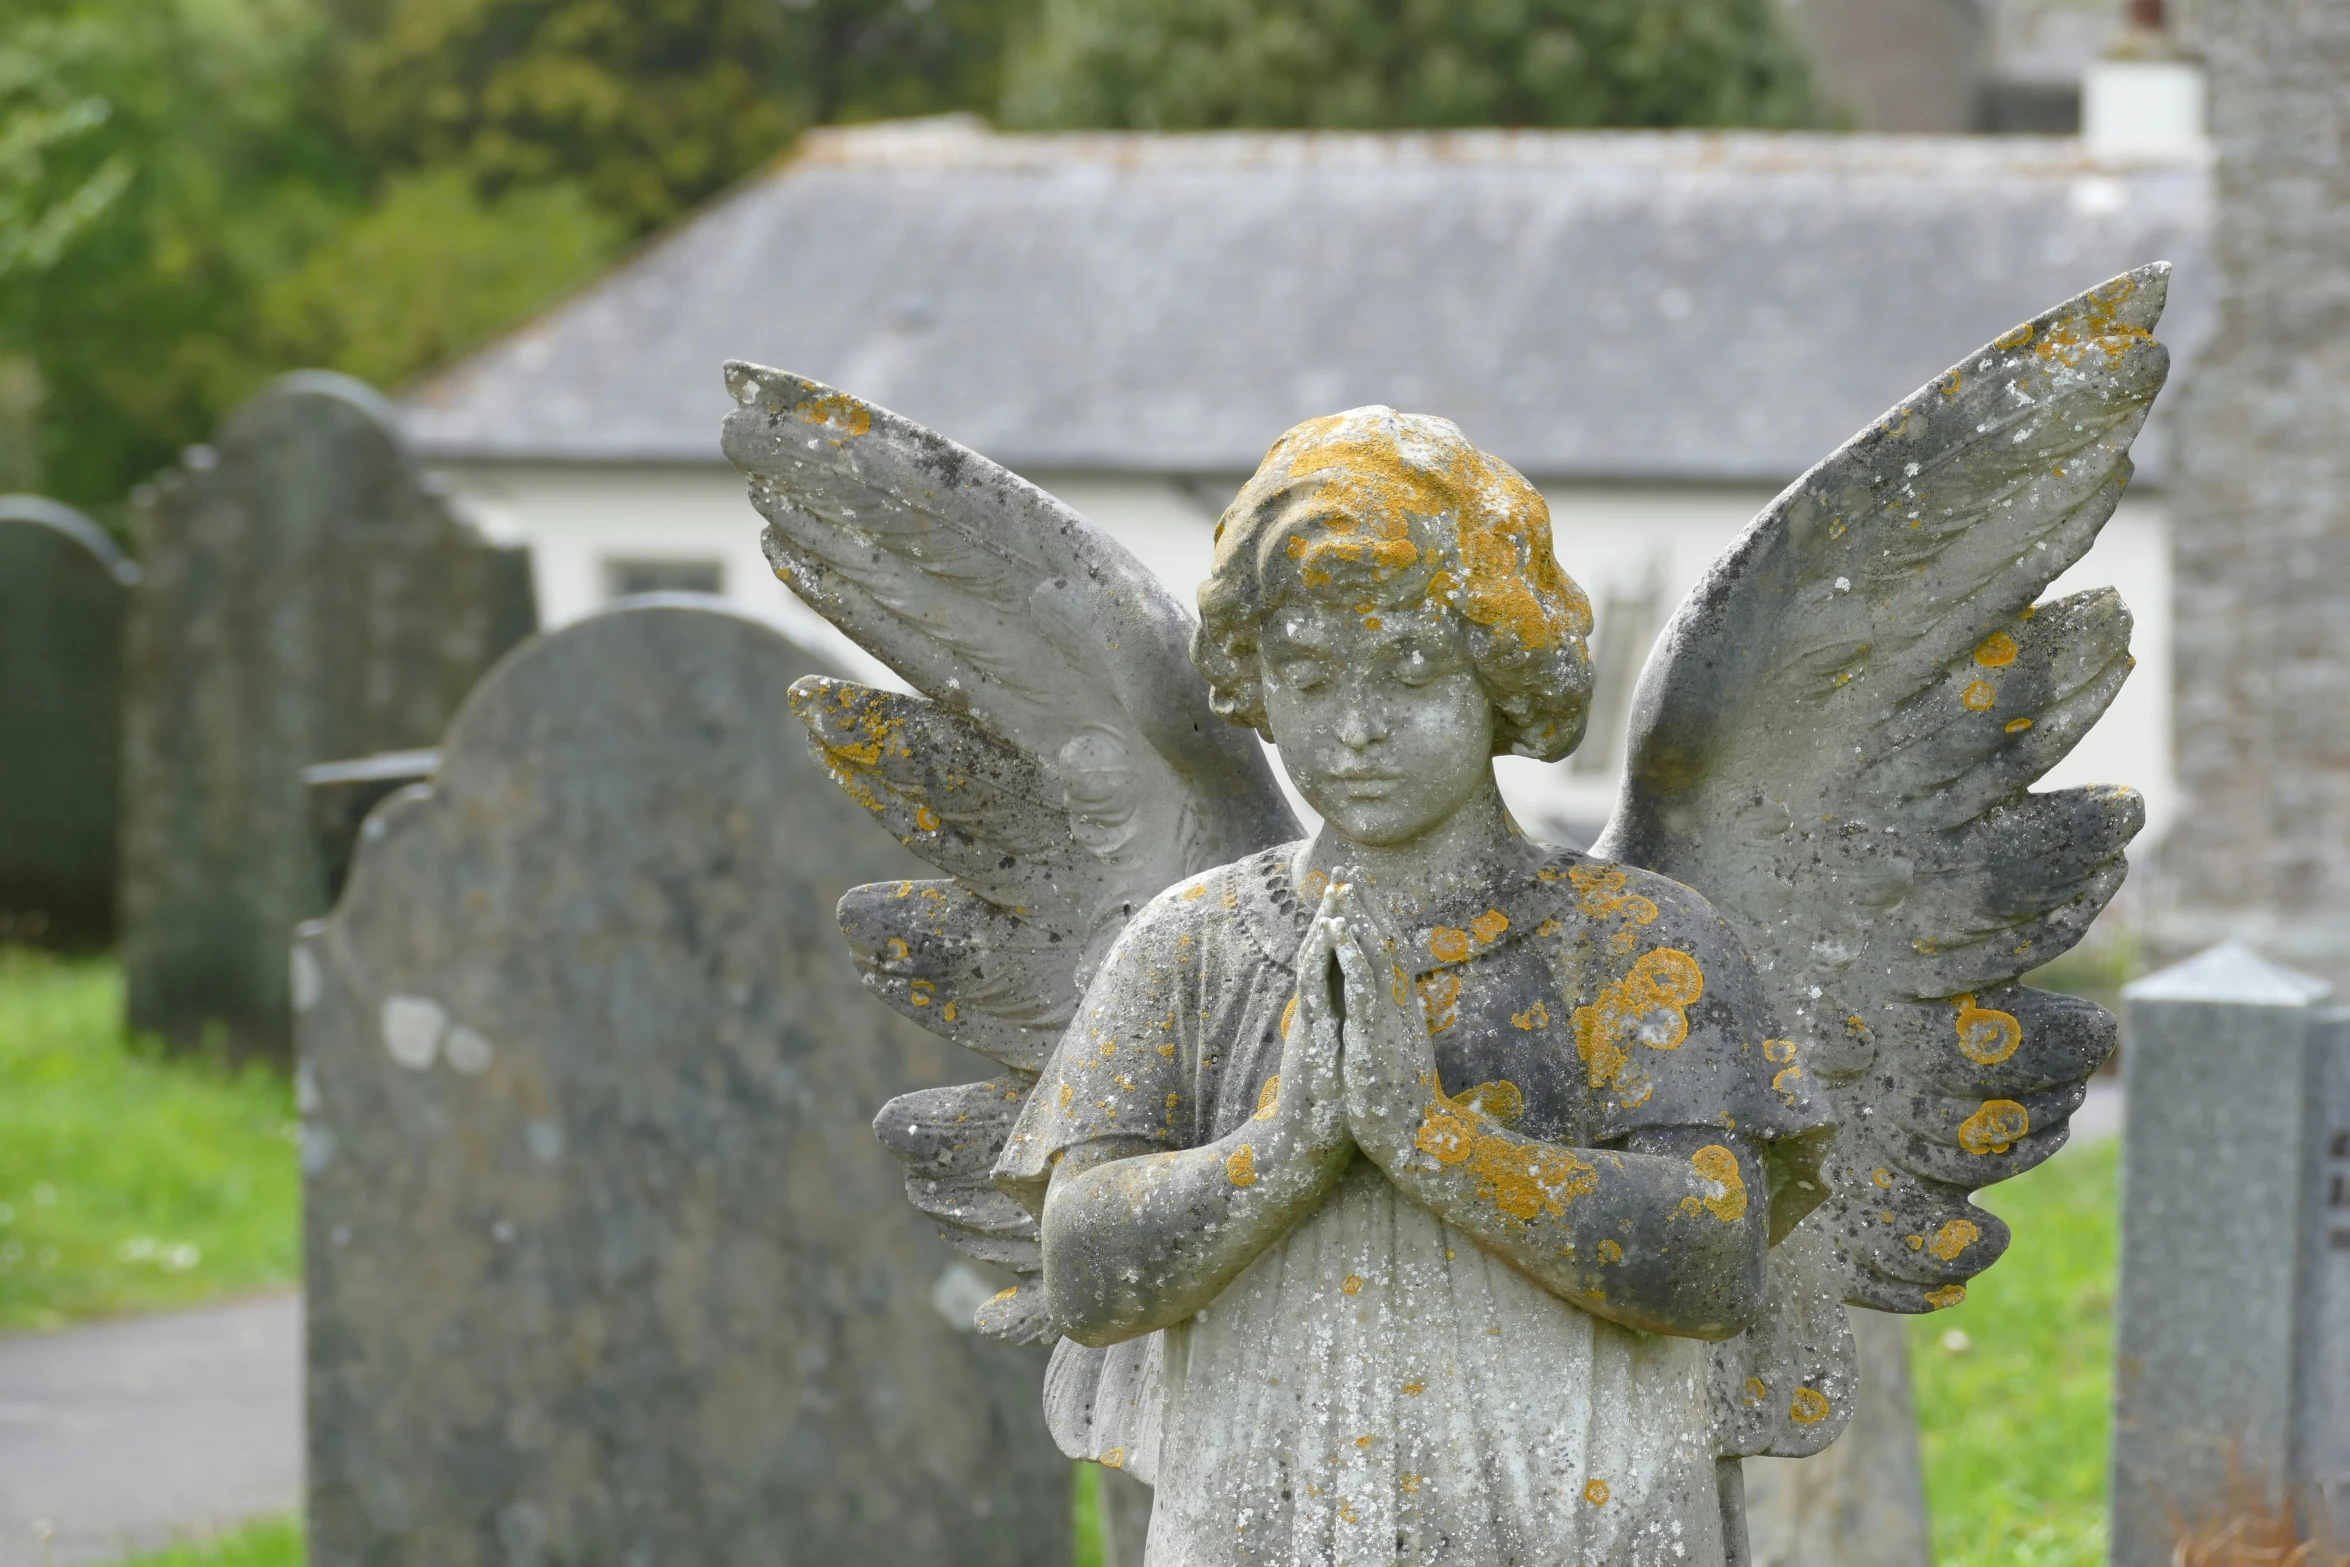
{"x":1862,"y":1502}
{"x":307,"y":598}
{"x":605,"y":1266}
{"x":2220,"y":1156}
{"x":2261,"y":519}
{"x":62,"y":587}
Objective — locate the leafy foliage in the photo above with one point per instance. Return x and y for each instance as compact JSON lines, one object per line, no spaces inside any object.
{"x":650,"y":105}
{"x":198,"y":194}
{"x":1189,"y":64}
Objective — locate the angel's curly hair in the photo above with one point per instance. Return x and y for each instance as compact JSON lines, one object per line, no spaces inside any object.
{"x":1375,"y":504}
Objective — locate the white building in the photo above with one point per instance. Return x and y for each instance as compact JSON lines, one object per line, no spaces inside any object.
{"x":1660,"y":329}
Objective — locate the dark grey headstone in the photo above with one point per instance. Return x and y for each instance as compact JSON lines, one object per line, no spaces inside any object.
{"x":307,"y":598}
{"x":62,"y":585}
{"x":605,"y":1265}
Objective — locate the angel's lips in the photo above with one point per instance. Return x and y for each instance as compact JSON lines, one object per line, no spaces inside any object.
{"x":1369,"y":786}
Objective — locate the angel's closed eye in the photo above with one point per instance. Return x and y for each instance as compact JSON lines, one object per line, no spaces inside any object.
{"x":1302,"y":674}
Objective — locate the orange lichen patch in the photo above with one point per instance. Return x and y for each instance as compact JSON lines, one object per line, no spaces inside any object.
{"x":1882,"y":1178}
{"x":1648,"y":1006}
{"x":1500,"y":1100}
{"x":1599,"y":892}
{"x":1756,"y":1391}
{"x":840,"y":411}
{"x":1596,"y":1493}
{"x":1067,"y":1093}
{"x":947,"y":1012}
{"x":2016,"y":726}
{"x":1955,"y":1237}
{"x":1998,"y":651}
{"x":1783,"y":1082}
{"x":1487,"y":927}
{"x":1995,"y":1128}
{"x":1241,"y":1168}
{"x":1268,"y":1099}
{"x":1808,"y":1407}
{"x":1986,"y":1036}
{"x":1534,"y":1017}
{"x":1289,"y":1014}
{"x":925,"y":818}
{"x":1195,"y":893}
{"x":1946,"y":1297}
{"x":919,"y":992}
{"x":1115,"y":1458}
{"x":2098,"y":326}
{"x":1522,"y":1179}
{"x":1352,"y":1284}
{"x":2013,"y":337}
{"x":1949,"y":384}
{"x":1440,"y":995}
{"x":1779,"y":1051}
{"x":897,"y":949}
{"x":1447,"y":945}
{"x":1609,"y":1251}
{"x":1410,"y":1483}
{"x":1978,"y":696}
{"x":1414,"y":1389}
{"x":1916,"y":1242}
{"x":1718,"y":1165}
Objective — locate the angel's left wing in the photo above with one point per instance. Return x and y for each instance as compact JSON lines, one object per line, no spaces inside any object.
{"x":1061,"y":765}
{"x":1835,"y":739}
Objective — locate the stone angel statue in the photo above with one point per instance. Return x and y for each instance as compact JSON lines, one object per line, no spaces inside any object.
{"x":1413,"y":1191}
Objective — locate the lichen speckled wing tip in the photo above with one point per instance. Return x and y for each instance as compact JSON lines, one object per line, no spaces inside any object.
{"x":1835,"y":742}
{"x":1062,"y":764}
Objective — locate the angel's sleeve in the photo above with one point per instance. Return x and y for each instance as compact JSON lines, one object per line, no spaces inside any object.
{"x":1121,"y":1072}
{"x":1686,"y":1036}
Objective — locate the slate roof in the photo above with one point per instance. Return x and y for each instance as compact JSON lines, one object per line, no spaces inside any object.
{"x":1614,"y":305}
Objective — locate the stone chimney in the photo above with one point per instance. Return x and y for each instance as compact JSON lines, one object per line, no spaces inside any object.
{"x":2143,"y":99}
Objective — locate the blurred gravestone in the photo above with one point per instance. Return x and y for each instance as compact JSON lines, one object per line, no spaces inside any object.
{"x":62,"y":586}
{"x":605,"y":1264}
{"x":307,"y":598}
{"x":2230,"y":1409}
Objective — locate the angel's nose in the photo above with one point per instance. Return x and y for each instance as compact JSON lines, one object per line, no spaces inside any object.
{"x":1359,"y":725}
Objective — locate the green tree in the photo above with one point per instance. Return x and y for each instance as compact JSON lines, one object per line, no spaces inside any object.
{"x":1196,"y":64}
{"x":650,"y":105}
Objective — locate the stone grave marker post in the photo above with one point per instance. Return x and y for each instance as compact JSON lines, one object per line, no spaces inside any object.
{"x":308,"y":598}
{"x":605,"y":1264}
{"x":63,"y":584}
{"x":2223,"y":1222}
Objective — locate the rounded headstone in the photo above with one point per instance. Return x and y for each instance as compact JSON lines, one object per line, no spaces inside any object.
{"x":605,"y":1264}
{"x":62,"y":590}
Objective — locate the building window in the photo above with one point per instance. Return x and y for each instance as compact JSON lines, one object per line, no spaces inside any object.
{"x":627,"y":578}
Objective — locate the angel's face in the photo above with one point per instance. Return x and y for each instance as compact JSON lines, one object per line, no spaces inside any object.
{"x":1378,"y":714}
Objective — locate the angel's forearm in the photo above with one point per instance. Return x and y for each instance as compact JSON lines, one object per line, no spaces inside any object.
{"x":1659,"y":1240}
{"x":1132,"y":1245}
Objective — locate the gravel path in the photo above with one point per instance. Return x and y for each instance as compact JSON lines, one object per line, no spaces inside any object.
{"x":121,"y":1436}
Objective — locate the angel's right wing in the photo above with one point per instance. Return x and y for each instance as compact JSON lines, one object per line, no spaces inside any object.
{"x":1062,"y":764}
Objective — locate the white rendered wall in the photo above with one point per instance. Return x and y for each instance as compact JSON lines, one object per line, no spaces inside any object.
{"x":1622,"y":543}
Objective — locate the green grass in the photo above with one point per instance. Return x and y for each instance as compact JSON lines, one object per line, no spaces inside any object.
{"x":273,"y":1542}
{"x":129,"y":1182}
{"x":2013,"y":1410}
